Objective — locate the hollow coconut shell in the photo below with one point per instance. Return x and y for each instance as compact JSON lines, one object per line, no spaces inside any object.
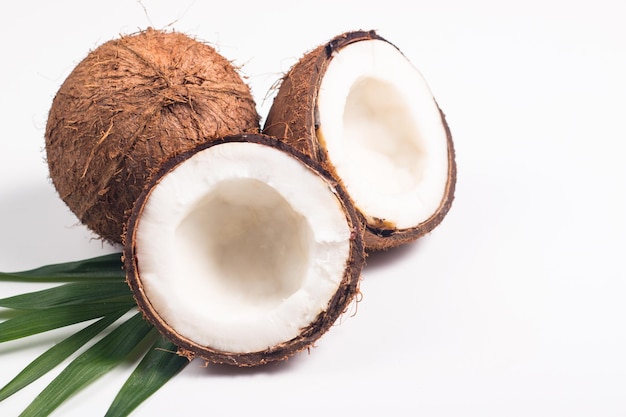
{"x":250,"y":173}
{"x":296,"y":117}
{"x":131,"y":104}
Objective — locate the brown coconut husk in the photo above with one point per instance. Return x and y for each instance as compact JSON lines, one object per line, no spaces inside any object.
{"x":293,"y":119}
{"x":346,"y":293}
{"x":131,"y":104}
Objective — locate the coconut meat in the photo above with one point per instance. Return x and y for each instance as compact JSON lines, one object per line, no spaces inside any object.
{"x":384,"y":133}
{"x":240,"y":247}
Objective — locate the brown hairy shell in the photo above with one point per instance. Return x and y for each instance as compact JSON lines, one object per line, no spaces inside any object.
{"x":293,"y":118}
{"x":346,"y":293}
{"x":128,"y":106}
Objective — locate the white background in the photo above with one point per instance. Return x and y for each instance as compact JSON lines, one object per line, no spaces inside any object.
{"x":514,"y":306}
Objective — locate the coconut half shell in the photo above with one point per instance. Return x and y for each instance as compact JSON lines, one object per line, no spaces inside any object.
{"x":375,"y":126}
{"x":243,"y":251}
{"x":131,"y":104}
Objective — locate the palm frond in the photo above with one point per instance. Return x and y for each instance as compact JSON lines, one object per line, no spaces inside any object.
{"x":90,"y":365}
{"x":70,"y":294}
{"x":101,"y":268}
{"x":90,"y":289}
{"x":158,"y":366}
{"x":33,"y":321}
{"x":56,"y":354}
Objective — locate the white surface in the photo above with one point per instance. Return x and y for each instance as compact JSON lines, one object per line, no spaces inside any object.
{"x":514,"y":306}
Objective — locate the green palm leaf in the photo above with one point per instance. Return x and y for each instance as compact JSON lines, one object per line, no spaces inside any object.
{"x":90,"y":365}
{"x":33,"y":321}
{"x":101,"y":268}
{"x":69,"y":294}
{"x":158,"y":366}
{"x":94,"y":288}
{"x":56,"y":354}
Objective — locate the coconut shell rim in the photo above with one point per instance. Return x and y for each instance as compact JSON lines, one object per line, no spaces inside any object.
{"x":377,"y":237}
{"x":346,"y":292}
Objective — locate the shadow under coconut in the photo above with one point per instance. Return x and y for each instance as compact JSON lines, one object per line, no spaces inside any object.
{"x":222,"y":370}
{"x":383,"y":258}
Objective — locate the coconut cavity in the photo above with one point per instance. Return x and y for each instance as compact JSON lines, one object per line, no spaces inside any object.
{"x":383,"y":133}
{"x":375,"y":108}
{"x":358,"y":106}
{"x":130,"y":105}
{"x":243,"y":252}
{"x":247,"y":244}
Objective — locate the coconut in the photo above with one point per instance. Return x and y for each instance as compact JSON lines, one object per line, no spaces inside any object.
{"x":243,"y":251}
{"x":131,"y":104}
{"x":357,"y":106}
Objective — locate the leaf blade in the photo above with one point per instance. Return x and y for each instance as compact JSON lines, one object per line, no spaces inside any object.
{"x":90,"y":365}
{"x":55,"y":355}
{"x":34,"y":322}
{"x":102,"y":268}
{"x":67,"y":294}
{"x":158,"y":366}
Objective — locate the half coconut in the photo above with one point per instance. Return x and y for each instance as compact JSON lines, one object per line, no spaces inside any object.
{"x":243,"y":251}
{"x":357,"y":106}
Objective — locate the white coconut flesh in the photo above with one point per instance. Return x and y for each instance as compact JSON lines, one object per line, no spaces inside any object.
{"x":241,"y":246}
{"x":383,"y":133}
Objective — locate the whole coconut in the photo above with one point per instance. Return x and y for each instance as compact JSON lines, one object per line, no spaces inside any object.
{"x":131,"y":104}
